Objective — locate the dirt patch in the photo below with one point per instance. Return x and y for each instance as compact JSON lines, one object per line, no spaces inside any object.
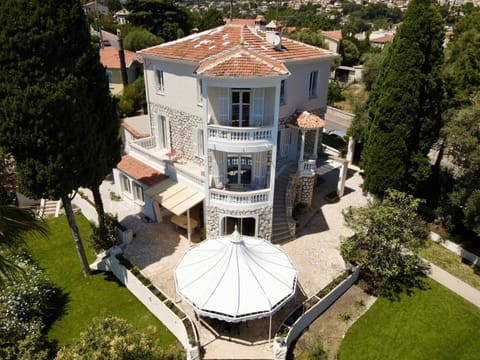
{"x":330,"y":327}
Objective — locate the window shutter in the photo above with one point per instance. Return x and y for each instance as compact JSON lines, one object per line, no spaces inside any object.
{"x":195,"y":141}
{"x":258,"y":106}
{"x":259,"y":170}
{"x":224,"y":105}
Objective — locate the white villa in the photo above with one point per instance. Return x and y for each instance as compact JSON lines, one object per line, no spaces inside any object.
{"x":234,"y":129}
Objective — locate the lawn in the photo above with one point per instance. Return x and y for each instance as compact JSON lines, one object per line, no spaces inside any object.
{"x":98,"y":295}
{"x":430,"y":324}
{"x":451,"y":262}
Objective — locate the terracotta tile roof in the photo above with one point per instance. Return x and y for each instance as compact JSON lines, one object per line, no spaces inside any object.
{"x":248,"y":22}
{"x":307,"y":120}
{"x":333,"y":34}
{"x":110,"y":59}
{"x":139,"y":171}
{"x":202,"y":47}
{"x":241,"y":62}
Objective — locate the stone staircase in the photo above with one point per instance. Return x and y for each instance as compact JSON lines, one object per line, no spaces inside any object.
{"x":49,"y":208}
{"x":280,"y":228}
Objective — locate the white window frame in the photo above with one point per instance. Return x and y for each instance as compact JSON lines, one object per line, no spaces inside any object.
{"x":125,"y":184}
{"x":313,"y":84}
{"x":242,"y":116}
{"x":283,"y":92}
{"x":163,"y":131}
{"x":197,"y":143}
{"x":138,"y":193}
{"x":159,"y":81}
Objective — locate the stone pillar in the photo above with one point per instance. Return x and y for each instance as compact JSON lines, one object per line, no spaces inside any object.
{"x":302,"y":149}
{"x":308,"y":184}
{"x":315,"y":147}
{"x":342,"y":177}
{"x":351,"y":149}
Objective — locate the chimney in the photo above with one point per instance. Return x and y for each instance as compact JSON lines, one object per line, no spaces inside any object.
{"x":260,"y":23}
{"x":273,"y":34}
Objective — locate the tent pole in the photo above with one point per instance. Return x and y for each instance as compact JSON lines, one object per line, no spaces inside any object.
{"x":188,"y":226}
{"x":270,"y":329}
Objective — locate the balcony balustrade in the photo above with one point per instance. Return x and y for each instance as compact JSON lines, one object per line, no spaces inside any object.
{"x":239,"y":198}
{"x":226,"y":138}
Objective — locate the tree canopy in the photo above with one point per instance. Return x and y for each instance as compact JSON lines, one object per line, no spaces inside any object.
{"x":57,"y":117}
{"x":387,"y":234}
{"x":405,"y":104}
{"x":114,"y":338}
{"x":163,"y":18}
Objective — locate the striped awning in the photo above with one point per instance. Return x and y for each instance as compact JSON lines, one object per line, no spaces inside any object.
{"x":174,"y":196}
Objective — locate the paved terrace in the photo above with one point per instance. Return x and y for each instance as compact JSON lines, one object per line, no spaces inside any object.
{"x":158,"y":247}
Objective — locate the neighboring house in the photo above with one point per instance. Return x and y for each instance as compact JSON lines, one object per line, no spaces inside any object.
{"x":121,"y":16}
{"x":333,"y":39}
{"x":110,"y":58}
{"x":95,"y":7}
{"x":232,"y":112}
{"x":381,"y":40}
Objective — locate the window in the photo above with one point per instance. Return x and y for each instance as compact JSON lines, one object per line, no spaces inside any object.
{"x":199,"y":92}
{"x":138,"y":192}
{"x":125,"y":184}
{"x":239,"y":169}
{"x":109,"y":76}
{"x":198,"y":142}
{"x":240,"y":107}
{"x":163,"y":132}
{"x":312,"y":90}
{"x":282,"y":92}
{"x":159,"y":82}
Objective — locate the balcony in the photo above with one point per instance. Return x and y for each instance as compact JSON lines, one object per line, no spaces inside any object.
{"x":239,"y":199}
{"x":238,"y":139}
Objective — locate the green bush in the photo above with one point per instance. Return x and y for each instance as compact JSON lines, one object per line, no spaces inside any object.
{"x":104,"y":238}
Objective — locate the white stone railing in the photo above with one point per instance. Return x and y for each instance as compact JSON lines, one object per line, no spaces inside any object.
{"x":216,"y":132}
{"x":307,"y":167}
{"x":239,"y":197}
{"x":155,"y":305}
{"x":146,"y":143}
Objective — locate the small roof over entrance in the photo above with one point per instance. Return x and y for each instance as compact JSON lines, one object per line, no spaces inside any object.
{"x":174,"y":196}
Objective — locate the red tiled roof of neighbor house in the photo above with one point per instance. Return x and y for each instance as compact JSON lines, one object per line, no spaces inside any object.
{"x":139,"y":171}
{"x":214,"y":43}
{"x":333,"y":34}
{"x":307,"y":120}
{"x":248,"y":22}
{"x":109,"y":58}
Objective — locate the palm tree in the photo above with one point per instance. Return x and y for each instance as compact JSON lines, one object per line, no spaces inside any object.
{"x":15,"y":224}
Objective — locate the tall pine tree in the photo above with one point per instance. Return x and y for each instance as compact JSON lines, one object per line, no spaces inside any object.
{"x":57,"y":117}
{"x":405,"y":104}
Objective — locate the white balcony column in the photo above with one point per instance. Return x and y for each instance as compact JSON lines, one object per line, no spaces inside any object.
{"x":205,"y":145}
{"x":351,"y":149}
{"x":315,"y":147}
{"x":302,"y":150}
{"x":273,"y":160}
{"x":342,"y":176}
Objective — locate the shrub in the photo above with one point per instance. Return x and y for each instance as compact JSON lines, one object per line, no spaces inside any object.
{"x":104,"y":238}
{"x":27,"y":308}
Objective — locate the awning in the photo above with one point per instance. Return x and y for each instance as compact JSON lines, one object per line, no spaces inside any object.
{"x":174,"y":196}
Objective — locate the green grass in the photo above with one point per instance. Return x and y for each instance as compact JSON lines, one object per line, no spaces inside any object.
{"x":430,"y":324}
{"x":96,"y":296}
{"x":452,"y":263}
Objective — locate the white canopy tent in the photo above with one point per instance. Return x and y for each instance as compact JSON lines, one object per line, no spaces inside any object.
{"x":236,"y":278}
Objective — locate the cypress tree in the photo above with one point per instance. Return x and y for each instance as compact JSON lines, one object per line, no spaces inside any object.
{"x":405,"y":104}
{"x":57,"y":117}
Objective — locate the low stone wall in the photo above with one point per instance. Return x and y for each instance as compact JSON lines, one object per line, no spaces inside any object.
{"x":320,"y":305}
{"x":154,"y":304}
{"x":457,"y":249}
{"x":88,"y":210}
